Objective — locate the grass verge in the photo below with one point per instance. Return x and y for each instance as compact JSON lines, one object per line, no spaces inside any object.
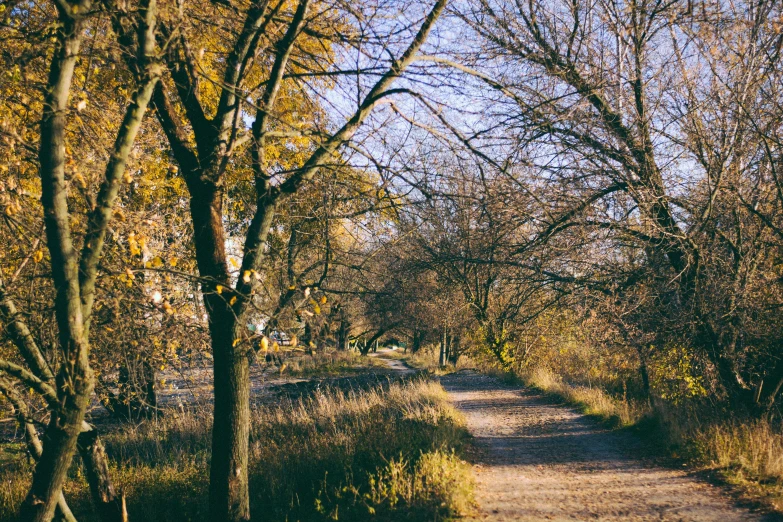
{"x":389,"y":453}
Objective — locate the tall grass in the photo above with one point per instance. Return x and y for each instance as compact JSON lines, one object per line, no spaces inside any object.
{"x":591,"y":400}
{"x":743,"y":451}
{"x":330,"y":363}
{"x":390,"y":453}
{"x":428,"y":358}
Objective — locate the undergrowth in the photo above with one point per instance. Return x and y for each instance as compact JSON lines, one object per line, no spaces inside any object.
{"x":390,"y":453}
{"x":329,"y":364}
{"x":427,"y":358}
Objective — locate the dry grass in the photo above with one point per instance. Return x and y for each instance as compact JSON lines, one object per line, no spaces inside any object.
{"x":331,"y":363}
{"x":755,"y":448}
{"x":427,"y":358}
{"x":747,"y":453}
{"x":591,"y":400}
{"x":391,"y":451}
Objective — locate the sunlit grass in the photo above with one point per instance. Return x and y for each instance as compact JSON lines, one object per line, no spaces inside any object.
{"x":427,"y":358}
{"x":391,"y":452}
{"x":331,"y":363}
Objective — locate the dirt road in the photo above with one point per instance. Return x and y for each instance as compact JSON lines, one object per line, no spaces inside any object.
{"x":542,"y":461}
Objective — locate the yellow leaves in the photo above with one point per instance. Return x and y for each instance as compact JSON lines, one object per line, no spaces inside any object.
{"x":265,"y":344}
{"x":283,"y":367}
{"x":127,"y":277}
{"x":173,"y":262}
{"x":233,"y":262}
{"x":246,"y":276}
{"x":236,"y":342}
{"x":38,"y":256}
{"x":323,"y":299}
{"x":292,"y":287}
{"x":317,"y":310}
{"x":275,"y":347}
{"x":127,"y":178}
{"x":156,"y":262}
{"x":133,"y":244}
{"x":162,"y":367}
{"x":167,"y":307}
{"x":219,"y":289}
{"x":233,"y":301}
{"x":79,"y":179}
{"x":14,"y":207}
{"x":294,"y":341}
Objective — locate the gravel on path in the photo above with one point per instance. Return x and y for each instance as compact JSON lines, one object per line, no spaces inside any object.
{"x":542,"y":461}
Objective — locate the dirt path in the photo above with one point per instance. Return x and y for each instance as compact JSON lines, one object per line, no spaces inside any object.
{"x":387,"y":356}
{"x":541,"y":461}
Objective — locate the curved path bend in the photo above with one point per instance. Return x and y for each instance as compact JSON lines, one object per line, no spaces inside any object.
{"x":542,"y":461}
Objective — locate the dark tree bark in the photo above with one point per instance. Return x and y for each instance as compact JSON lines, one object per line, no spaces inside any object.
{"x":343,"y":333}
{"x":34,"y":446}
{"x":418,"y":337}
{"x":109,"y":505}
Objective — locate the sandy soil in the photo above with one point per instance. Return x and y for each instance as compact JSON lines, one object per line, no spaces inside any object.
{"x":542,"y":461}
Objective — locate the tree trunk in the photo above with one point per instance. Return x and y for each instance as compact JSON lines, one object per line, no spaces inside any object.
{"x":229,"y":498}
{"x":416,"y":342}
{"x":442,"y":355}
{"x":75,"y":378}
{"x":454,"y":351}
{"x":59,"y":446}
{"x":228,"y":489}
{"x":644,"y":374}
{"x":110,"y":506}
{"x":342,"y":334}
{"x":369,"y":344}
{"x":34,"y":446}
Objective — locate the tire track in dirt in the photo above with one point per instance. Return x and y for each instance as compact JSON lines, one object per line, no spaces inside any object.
{"x":542,"y":461}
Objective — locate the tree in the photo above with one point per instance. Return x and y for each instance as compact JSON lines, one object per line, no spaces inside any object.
{"x":204,"y":158}
{"x":74,"y":274}
{"x":635,"y":119}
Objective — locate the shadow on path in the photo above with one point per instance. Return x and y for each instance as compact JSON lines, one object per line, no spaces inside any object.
{"x":539,"y":460}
